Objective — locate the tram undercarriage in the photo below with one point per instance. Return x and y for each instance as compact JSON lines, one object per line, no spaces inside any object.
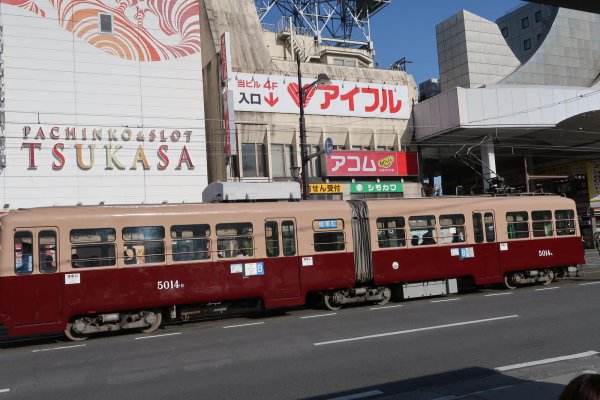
{"x":512,"y":280}
{"x":80,"y":328}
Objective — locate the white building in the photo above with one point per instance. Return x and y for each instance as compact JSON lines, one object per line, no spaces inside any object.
{"x":101,"y":103}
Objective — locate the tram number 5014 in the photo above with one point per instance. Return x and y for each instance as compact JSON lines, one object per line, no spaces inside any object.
{"x":545,"y":253}
{"x":166,"y":285}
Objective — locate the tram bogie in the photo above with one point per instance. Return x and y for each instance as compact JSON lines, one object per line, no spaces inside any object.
{"x":79,"y":328}
{"x":132,"y":264}
{"x":334,"y":300}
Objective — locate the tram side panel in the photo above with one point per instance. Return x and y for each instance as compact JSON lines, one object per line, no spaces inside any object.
{"x":414,"y":243}
{"x":326,"y":251}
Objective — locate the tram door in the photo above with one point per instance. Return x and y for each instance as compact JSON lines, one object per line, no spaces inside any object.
{"x":484,"y":229}
{"x":282,"y":261}
{"x":36,"y":291}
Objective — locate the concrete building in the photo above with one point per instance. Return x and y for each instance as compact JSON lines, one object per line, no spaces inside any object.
{"x":100,"y":103}
{"x":519,"y":98}
{"x":365,"y":110}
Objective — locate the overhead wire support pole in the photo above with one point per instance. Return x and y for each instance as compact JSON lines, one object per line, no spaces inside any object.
{"x":303,"y":153}
{"x":322,"y":79}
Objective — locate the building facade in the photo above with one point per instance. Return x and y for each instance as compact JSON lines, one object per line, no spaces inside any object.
{"x":519,"y":104}
{"x":101,"y":104}
{"x":365,"y":112}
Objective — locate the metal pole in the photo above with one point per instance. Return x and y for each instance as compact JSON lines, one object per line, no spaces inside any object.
{"x":303,"y":149}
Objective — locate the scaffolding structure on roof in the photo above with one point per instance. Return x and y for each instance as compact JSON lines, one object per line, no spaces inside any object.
{"x":344,"y":23}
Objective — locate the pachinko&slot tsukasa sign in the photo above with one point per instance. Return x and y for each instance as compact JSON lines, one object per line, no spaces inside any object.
{"x":372,"y":163}
{"x":109,"y":149}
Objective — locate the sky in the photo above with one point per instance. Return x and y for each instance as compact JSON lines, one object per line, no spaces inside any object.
{"x":406,"y":28}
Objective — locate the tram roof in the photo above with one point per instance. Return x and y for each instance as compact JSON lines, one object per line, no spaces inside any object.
{"x":317,"y":206}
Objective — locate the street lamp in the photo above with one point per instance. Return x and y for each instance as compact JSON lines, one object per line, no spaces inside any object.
{"x":322,"y":80}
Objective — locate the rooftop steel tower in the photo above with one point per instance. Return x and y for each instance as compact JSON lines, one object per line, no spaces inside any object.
{"x":343,"y":23}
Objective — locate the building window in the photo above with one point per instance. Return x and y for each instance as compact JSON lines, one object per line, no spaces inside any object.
{"x":253,"y":160}
{"x":106,"y":23}
{"x":525,"y":23}
{"x":282,"y":160}
{"x":344,"y":62}
{"x":538,"y":16}
{"x":505,"y":31}
{"x":314,"y":164}
{"x":527,"y":44}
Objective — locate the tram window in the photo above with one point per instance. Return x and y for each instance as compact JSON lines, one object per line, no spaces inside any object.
{"x":272,"y":238}
{"x":565,"y":222}
{"x":422,"y":230}
{"x":329,"y":241}
{"x":288,"y":236}
{"x":47,"y":252}
{"x":452,"y":228}
{"x":541,"y":223}
{"x":190,"y":231}
{"x":144,"y":244}
{"x":23,"y":253}
{"x":478,"y":227}
{"x":93,"y":255}
{"x":144,"y":233}
{"x":187,"y":243}
{"x":92,"y":235}
{"x":517,"y":224}
{"x":235,"y":240}
{"x":490,"y":232}
{"x":191,"y":249}
{"x":391,"y":232}
{"x":146,"y":252}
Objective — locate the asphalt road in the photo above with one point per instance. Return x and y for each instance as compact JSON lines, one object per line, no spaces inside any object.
{"x":490,"y":344}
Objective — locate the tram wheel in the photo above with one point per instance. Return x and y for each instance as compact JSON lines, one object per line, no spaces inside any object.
{"x":550,"y":277}
{"x":154,"y":319}
{"x":509,"y":281}
{"x":387,"y":295}
{"x":73,"y":335}
{"x":330,"y":303}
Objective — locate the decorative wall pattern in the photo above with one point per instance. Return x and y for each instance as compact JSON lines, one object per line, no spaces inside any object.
{"x":143,"y":30}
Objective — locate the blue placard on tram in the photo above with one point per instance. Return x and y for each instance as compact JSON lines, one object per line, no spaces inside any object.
{"x":328,"y":224}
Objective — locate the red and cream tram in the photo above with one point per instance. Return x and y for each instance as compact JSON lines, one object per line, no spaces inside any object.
{"x":88,"y":269}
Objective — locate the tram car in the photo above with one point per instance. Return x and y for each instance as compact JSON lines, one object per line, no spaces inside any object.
{"x":89,"y":269}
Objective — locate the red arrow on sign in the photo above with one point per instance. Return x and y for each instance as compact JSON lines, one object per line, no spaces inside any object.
{"x":271,"y":100}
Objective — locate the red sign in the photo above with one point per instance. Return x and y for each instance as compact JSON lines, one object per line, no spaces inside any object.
{"x":225,"y":61}
{"x":372,"y":163}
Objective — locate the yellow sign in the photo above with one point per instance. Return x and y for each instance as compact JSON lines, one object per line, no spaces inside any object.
{"x":325,"y":188}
